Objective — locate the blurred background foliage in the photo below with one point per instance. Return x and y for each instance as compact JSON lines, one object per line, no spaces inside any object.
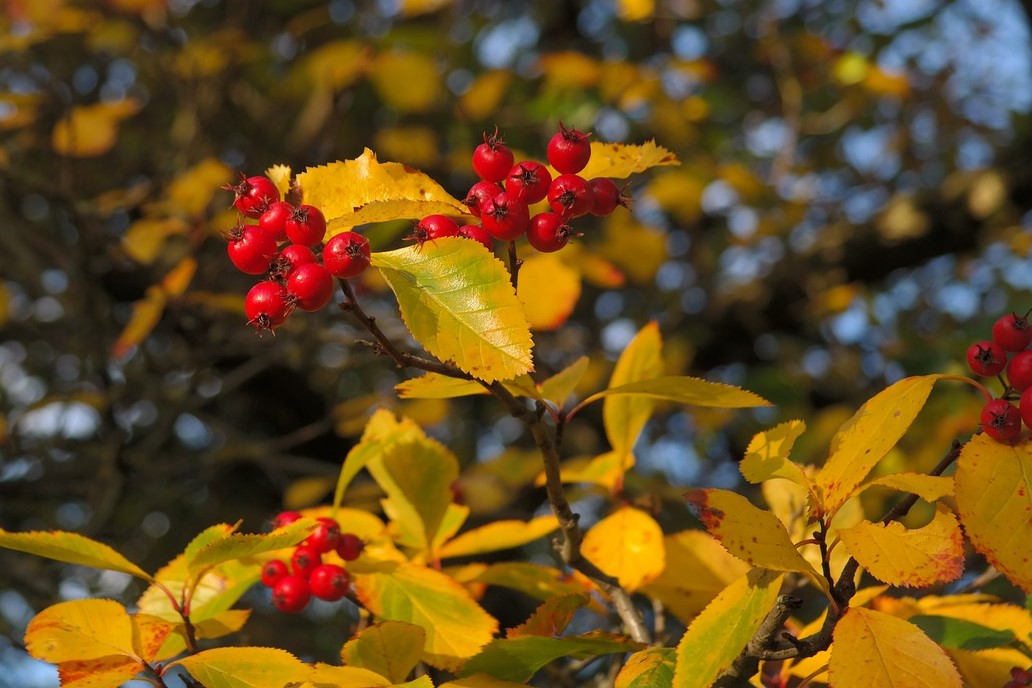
{"x":851,"y":208}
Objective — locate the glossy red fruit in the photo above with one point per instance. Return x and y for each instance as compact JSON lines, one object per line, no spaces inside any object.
{"x":285,"y":518}
{"x":291,"y":594}
{"x":272,"y":571}
{"x":986,"y":358}
{"x":479,"y":194}
{"x":289,"y":258}
{"x":607,"y":196}
{"x":329,"y":582}
{"x":528,"y":181}
{"x":569,"y":150}
{"x":250,"y":249}
{"x":570,"y":196}
{"x":304,"y":560}
{"x":274,"y":220}
{"x":325,"y":536}
{"x":492,"y":159}
{"x":505,"y":217}
{"x":1012,"y":332}
{"x":253,"y":195}
{"x":310,"y":286}
{"x":267,"y":305}
{"x":433,"y":227}
{"x":1001,"y":420}
{"x":1019,"y":371}
{"x":477,"y":233}
{"x":346,"y":254}
{"x":306,"y":225}
{"x":548,"y":232}
{"x":1025,"y":406}
{"x":350,"y":546}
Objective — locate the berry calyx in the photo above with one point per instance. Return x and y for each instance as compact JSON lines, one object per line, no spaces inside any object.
{"x":290,"y":594}
{"x":528,"y":181}
{"x":986,"y":358}
{"x":477,"y":233}
{"x":569,"y":150}
{"x":325,"y":536}
{"x":607,"y":196}
{"x":433,"y":227}
{"x":267,"y":305}
{"x":548,"y":232}
{"x":346,"y":255}
{"x":492,"y":159}
{"x":349,"y":546}
{"x":479,"y":194}
{"x":1012,"y":332}
{"x":329,"y":582}
{"x":1000,"y":420}
{"x":274,"y":220}
{"x":304,"y":560}
{"x":253,"y":195}
{"x":306,"y":225}
{"x":1019,"y":371}
{"x":570,"y":196}
{"x":272,"y":571}
{"x":250,"y":249}
{"x":291,"y":257}
{"x":310,"y":286}
{"x":505,"y":217}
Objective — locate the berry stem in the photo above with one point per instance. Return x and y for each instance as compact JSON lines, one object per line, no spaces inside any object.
{"x":514,"y":265}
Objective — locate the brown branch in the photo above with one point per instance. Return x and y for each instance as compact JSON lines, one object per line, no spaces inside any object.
{"x":747,"y":664}
{"x":514,"y":265}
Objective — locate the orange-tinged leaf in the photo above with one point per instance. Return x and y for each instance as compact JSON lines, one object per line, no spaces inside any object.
{"x":628,"y":545}
{"x":91,"y":130}
{"x":876,"y":649}
{"x":625,"y":416}
{"x":406,"y":81}
{"x":993,"y":486}
{"x":245,"y":667}
{"x":178,"y":278}
{"x":621,"y":160}
{"x":499,"y":535}
{"x":867,"y":437}
{"x":549,"y":290}
{"x":552,"y":617}
{"x":635,"y":10}
{"x":71,"y":548}
{"x":150,"y":633}
{"x":389,"y":648}
{"x":928,"y":487}
{"x":79,"y":630}
{"x":325,"y":675}
{"x":909,"y":557}
{"x":651,"y":668}
{"x":103,"y":672}
{"x":717,"y":635}
{"x":767,"y":455}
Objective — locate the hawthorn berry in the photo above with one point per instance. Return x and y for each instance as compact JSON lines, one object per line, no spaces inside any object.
{"x":253,"y":195}
{"x":346,"y":254}
{"x":325,"y":536}
{"x":329,"y":582}
{"x":272,"y":571}
{"x":290,"y":594}
{"x":274,"y":220}
{"x":310,"y":286}
{"x":306,"y":225}
{"x":1000,"y":420}
{"x":250,"y":249}
{"x":1025,"y":406}
{"x":569,"y":150}
{"x":607,"y":196}
{"x":492,"y":159}
{"x":267,"y":305}
{"x":986,"y":358}
{"x":290,"y":257}
{"x":479,"y":194}
{"x":1019,"y":371}
{"x":477,"y":233}
{"x":505,"y":217}
{"x":285,"y":518}
{"x":434,"y":227}
{"x":349,"y":546}
{"x":528,"y":181}
{"x":570,"y":196}
{"x":1012,"y":332}
{"x":304,"y":560}
{"x":548,"y":232}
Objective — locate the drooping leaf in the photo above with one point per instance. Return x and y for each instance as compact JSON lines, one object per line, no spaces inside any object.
{"x":993,"y":485}
{"x":245,"y":667}
{"x":621,"y":160}
{"x":560,"y":386}
{"x":909,"y":557}
{"x":649,"y":668}
{"x":723,"y":629}
{"x":871,"y":648}
{"x":867,"y":437}
{"x":928,"y":487}
{"x":960,"y":634}
{"x":390,"y":648}
{"x":518,"y":659}
{"x":71,"y":548}
{"x":767,"y":455}
{"x":499,"y":535}
{"x":549,"y":290}
{"x":457,"y":301}
{"x":79,"y":630}
{"x":625,"y":416}
{"x":237,"y":546}
{"x":552,"y":617}
{"x":148,"y":310}
{"x":684,"y":390}
{"x":628,"y":545}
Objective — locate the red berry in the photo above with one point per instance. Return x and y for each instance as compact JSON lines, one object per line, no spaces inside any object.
{"x":267,"y":305}
{"x":492,"y":159}
{"x":304,"y":560}
{"x":350,"y":546}
{"x":250,"y":249}
{"x":479,"y":194}
{"x":434,"y":227}
{"x":272,"y":571}
{"x":310,"y":286}
{"x":986,"y":358}
{"x":1025,"y":406}
{"x":548,"y":232}
{"x":285,"y":518}
{"x":477,"y":233}
{"x":528,"y":181}
{"x":1000,"y":420}
{"x":346,"y":254}
{"x":570,"y":196}
{"x":306,"y":225}
{"x":290,"y":257}
{"x":329,"y":582}
{"x":325,"y":536}
{"x":1012,"y":332}
{"x":569,"y":150}
{"x":253,"y":195}
{"x":607,"y":196}
{"x":1019,"y":371}
{"x":505,"y":217}
{"x":291,"y":594}
{"x":274,"y":220}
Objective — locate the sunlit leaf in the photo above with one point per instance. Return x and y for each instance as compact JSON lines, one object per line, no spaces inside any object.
{"x":548,"y":290}
{"x":606,"y":470}
{"x":280,"y":176}
{"x":480,"y":681}
{"x":237,"y":546}
{"x":437,"y":386}
{"x":560,"y":386}
{"x":635,"y":10}
{"x":518,"y":659}
{"x":103,"y":672}
{"x":190,"y":193}
{"x":540,"y":582}
{"x":552,"y":617}
{"x":767,"y":455}
{"x":245,"y":667}
{"x":621,"y":160}
{"x":625,"y":416}
{"x":151,"y":634}
{"x":145,"y":317}
{"x":649,"y":668}
{"x":390,"y":648}
{"x":457,"y":301}
{"x":499,"y":535}
{"x":928,"y":487}
{"x":628,"y":545}
{"x":71,"y":548}
{"x":328,"y":676}
{"x":91,"y":130}
{"x":145,"y":238}
{"x":80,"y":629}
{"x":381,"y":430}
{"x":636,"y":249}
{"x":685,"y":390}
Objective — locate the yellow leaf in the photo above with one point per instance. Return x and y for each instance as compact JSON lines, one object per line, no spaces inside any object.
{"x":637,"y":249}
{"x":179,"y":277}
{"x":480,"y":681}
{"x":621,"y":160}
{"x":628,"y":545}
{"x":91,"y":130}
{"x":280,"y":176}
{"x":851,"y":68}
{"x":993,"y":484}
{"x":406,"y":81}
{"x":245,"y":667}
{"x":324,"y":675}
{"x":717,"y":635}
{"x":145,"y":316}
{"x":436,"y":386}
{"x":606,"y":469}
{"x":767,"y":455}
{"x":390,"y":648}
{"x":625,"y":416}
{"x":102,"y":672}
{"x":416,"y":146}
{"x":237,"y":546}
{"x":5,"y":303}
{"x":190,"y":193}
{"x":499,"y":535}
{"x":71,"y":548}
{"x":146,"y":237}
{"x":223,"y":624}
{"x":552,"y":617}
{"x":150,"y":635}
{"x":651,"y":668}
{"x":567,"y":70}
{"x":712,"y":570}
{"x":679,"y":193}
{"x":81,"y":629}
{"x":338,"y":64}
{"x":635,"y":10}
{"x":561,"y":385}
{"x":548,"y":290}
{"x":485,"y":94}
{"x":876,"y":649}
{"x":928,"y":487}
{"x":412,"y":8}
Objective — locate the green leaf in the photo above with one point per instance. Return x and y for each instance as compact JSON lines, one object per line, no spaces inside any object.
{"x":390,"y":648}
{"x":457,"y":301}
{"x":651,"y":668}
{"x":961,"y":634}
{"x":245,"y":667}
{"x":518,"y":659}
{"x":239,"y":546}
{"x":625,"y":416}
{"x":71,"y":548}
{"x":561,"y":385}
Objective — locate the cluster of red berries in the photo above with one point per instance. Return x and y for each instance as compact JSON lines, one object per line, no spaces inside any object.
{"x":1008,"y":352}
{"x":294,"y":585}
{"x":286,"y":245}
{"x":1019,"y":678}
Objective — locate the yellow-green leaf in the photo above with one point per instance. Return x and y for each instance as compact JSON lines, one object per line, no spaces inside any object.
{"x":457,"y":301}
{"x":993,"y":484}
{"x":767,"y":455}
{"x":684,"y":390}
{"x":382,"y":430}
{"x":390,"y":648}
{"x":552,"y":617}
{"x":71,"y":548}
{"x":535,"y":580}
{"x":518,"y":659}
{"x":606,"y":469}
{"x":651,"y":668}
{"x":867,"y":437}
{"x":499,"y":535}
{"x":481,"y":681}
{"x":329,"y":676}
{"x":872,"y":648}
{"x":628,"y":545}
{"x":245,"y":667}
{"x":549,"y":290}
{"x":239,"y":546}
{"x":928,"y":487}
{"x":621,"y":160}
{"x":625,"y":416}
{"x":437,"y":386}
{"x":561,"y":385}
{"x":79,"y":630}
{"x":723,"y":629}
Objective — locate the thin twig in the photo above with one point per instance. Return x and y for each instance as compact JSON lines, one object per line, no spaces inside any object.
{"x":514,"y":265}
